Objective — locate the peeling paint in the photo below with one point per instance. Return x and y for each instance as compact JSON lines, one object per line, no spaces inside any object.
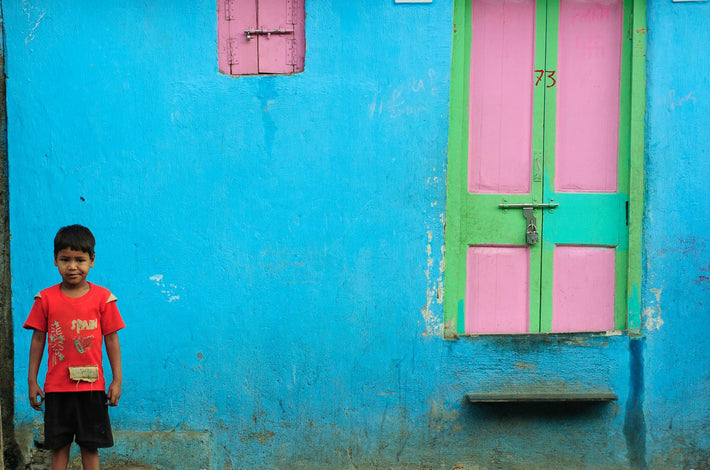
{"x":32,"y":14}
{"x":443,"y":418}
{"x":169,"y":290}
{"x":434,"y":291}
{"x":652,"y":315}
{"x":525,"y":365}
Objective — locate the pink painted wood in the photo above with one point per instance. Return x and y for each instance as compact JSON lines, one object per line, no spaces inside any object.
{"x":583,"y":289}
{"x":239,"y":54}
{"x":588,"y":80}
{"x":236,"y":54}
{"x":281,"y":53}
{"x":501,"y":90}
{"x":497,"y":299}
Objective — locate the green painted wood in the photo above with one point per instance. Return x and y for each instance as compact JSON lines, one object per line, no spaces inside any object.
{"x":455,"y":271}
{"x":636,"y":169}
{"x":625,"y":123}
{"x":587,"y":219}
{"x":550,"y":122}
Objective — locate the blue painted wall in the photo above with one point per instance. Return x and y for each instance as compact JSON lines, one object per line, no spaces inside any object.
{"x":276,"y":245}
{"x":677,"y":235}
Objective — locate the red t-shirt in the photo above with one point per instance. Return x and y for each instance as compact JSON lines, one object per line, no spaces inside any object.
{"x":75,"y":329}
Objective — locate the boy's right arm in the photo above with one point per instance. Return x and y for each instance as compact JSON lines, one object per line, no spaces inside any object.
{"x":36,"y":351}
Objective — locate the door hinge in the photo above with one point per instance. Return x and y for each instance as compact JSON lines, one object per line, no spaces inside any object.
{"x":232,"y":56}
{"x":291,"y":11}
{"x":229,"y":10}
{"x":291,"y":52}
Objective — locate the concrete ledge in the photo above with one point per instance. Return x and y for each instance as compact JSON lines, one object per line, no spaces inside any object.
{"x":546,"y":396}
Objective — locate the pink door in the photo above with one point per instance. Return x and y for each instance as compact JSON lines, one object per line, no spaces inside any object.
{"x":543,"y":133}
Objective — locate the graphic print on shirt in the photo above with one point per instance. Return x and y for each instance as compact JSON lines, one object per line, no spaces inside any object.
{"x":56,"y":341}
{"x":81,"y":325}
{"x":83,"y":343}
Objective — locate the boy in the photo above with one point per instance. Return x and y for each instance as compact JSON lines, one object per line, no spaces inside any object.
{"x":76,"y":315}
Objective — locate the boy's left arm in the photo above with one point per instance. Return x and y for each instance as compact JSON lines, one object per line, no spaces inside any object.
{"x":113,"y":351}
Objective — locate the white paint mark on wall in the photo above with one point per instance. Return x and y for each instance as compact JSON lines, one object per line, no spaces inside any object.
{"x":404,"y":100}
{"x":168,"y":289}
{"x":675,"y":100}
{"x":652,"y":315}
{"x":33,"y":15}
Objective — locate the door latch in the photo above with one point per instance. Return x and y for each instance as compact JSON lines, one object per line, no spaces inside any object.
{"x":531,"y":234}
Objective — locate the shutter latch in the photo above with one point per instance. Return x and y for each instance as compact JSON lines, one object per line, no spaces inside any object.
{"x":265,"y":32}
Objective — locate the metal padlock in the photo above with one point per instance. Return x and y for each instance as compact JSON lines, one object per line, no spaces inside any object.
{"x":531,"y":235}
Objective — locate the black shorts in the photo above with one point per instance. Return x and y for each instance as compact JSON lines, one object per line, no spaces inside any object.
{"x":80,"y":415}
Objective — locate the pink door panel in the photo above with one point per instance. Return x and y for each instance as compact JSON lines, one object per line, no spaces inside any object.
{"x":583,"y":289}
{"x":501,"y":96}
{"x":497,"y":290}
{"x":588,"y":83}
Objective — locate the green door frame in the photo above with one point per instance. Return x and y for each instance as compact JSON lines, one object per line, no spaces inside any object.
{"x":459,"y":208}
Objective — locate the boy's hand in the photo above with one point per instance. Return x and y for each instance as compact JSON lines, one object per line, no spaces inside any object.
{"x":35,"y":391}
{"x":114,"y":393}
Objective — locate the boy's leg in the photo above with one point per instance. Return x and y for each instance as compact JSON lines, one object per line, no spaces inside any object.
{"x":93,"y":423}
{"x":89,"y":458}
{"x":58,"y":428}
{"x":60,"y":458}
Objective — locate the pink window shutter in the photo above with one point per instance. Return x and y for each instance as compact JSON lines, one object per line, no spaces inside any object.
{"x":237,"y":55}
{"x":283,"y":50}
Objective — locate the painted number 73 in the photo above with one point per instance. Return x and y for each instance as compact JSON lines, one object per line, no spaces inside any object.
{"x":550,"y":81}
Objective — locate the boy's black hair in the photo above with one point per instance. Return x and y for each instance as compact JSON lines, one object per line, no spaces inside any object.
{"x":76,"y":237}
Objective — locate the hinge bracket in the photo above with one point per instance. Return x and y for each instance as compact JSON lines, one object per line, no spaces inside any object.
{"x":229,"y":10}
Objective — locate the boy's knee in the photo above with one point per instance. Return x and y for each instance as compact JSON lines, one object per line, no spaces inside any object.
{"x":89,"y":458}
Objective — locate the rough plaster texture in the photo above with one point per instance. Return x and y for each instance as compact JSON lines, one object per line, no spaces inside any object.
{"x":677,"y":236}
{"x":276,"y":246}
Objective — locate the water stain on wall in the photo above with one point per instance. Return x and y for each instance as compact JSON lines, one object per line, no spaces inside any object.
{"x":634,"y":419}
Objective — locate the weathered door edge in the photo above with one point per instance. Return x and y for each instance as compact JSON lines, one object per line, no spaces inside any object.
{"x":636,"y":166}
{"x":11,"y":455}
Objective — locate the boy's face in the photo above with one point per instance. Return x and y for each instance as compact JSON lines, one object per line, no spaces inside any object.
{"x":73,"y":266}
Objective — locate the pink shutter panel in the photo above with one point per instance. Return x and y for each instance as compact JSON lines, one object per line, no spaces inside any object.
{"x":281,"y":52}
{"x":237,"y":55}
